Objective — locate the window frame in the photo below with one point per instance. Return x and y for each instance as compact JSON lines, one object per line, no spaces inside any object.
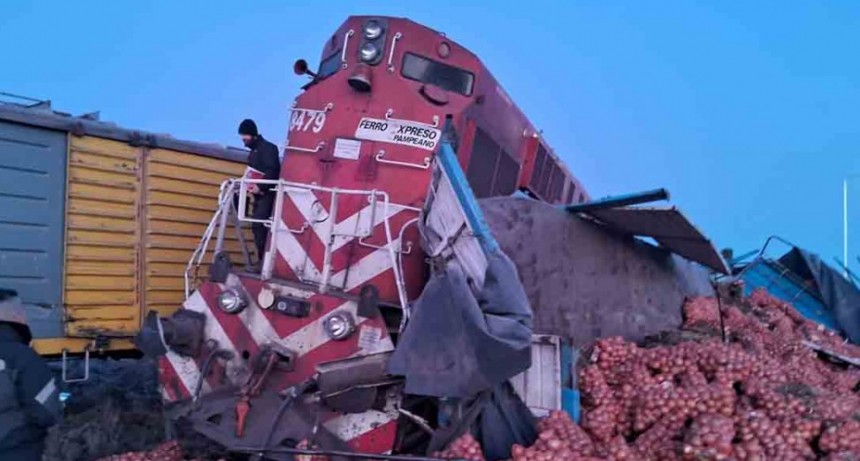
{"x":407,"y":54}
{"x":337,"y":69}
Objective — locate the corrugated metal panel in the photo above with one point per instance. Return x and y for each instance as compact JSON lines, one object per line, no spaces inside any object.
{"x":102,"y":293}
{"x":181,"y":197}
{"x":771,"y":276}
{"x":32,"y":197}
{"x":540,"y":385}
{"x":669,"y":227}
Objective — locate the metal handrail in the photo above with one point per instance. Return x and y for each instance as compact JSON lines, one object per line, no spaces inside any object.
{"x":231,"y":187}
{"x":200,"y":251}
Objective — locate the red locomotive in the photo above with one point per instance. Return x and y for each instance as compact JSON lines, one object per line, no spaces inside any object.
{"x":344,"y":255}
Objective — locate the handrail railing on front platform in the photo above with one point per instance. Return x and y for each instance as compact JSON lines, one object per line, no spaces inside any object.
{"x":233,"y":187}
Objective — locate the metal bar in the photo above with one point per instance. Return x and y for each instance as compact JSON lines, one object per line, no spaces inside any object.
{"x":86,"y":376}
{"x":845,"y":227}
{"x":319,"y":147}
{"x":394,"y":40}
{"x":23,"y":98}
{"x":620,"y":201}
{"x":222,"y":224}
{"x":400,"y":249}
{"x":337,"y":453}
{"x":237,"y":225}
{"x":390,"y":112}
{"x":398,"y":275}
{"x":346,"y":36}
{"x":274,"y":228}
{"x":325,"y":109}
{"x":326,"y":274}
{"x":843,"y":358}
{"x":199,"y":253}
{"x":380,"y":157}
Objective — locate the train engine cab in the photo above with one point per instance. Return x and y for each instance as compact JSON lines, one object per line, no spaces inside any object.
{"x":344,"y":255}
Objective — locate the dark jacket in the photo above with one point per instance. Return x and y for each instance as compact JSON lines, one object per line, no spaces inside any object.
{"x":35,"y":406}
{"x":264,"y":158}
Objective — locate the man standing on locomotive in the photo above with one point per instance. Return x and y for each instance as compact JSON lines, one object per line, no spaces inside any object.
{"x":264,"y":159}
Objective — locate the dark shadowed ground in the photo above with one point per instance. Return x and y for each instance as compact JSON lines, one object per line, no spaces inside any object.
{"x":116,"y":411}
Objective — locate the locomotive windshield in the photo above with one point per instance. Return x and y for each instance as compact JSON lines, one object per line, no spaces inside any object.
{"x":329,"y":65}
{"x":447,"y":77}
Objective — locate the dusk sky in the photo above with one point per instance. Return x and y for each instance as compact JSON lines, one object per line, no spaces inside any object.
{"x":748,"y":112}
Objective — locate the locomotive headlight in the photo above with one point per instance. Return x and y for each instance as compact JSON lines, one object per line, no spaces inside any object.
{"x":372,"y":30}
{"x":339,"y":325}
{"x":231,"y":301}
{"x":368,"y":52}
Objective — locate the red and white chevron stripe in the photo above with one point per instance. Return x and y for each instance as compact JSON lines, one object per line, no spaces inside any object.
{"x":345,"y":243}
{"x":356,"y":239}
{"x":245,"y":334}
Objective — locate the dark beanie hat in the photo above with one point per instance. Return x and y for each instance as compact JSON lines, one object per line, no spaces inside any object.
{"x":248,"y":127}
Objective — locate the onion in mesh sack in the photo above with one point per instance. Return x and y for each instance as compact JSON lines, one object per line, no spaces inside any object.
{"x":464,"y":447}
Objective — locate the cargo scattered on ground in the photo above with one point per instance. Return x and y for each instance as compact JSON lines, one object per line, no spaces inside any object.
{"x":761,"y":395}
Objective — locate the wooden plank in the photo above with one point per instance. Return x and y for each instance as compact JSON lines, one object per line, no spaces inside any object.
{"x":91,"y":176}
{"x":101,"y":208}
{"x":100,"y":268}
{"x":97,"y":223}
{"x":165,"y":283}
{"x":166,"y":213}
{"x":186,"y":174}
{"x":189,"y":243}
{"x":165,"y":296}
{"x":78,"y":177}
{"x":164,"y":310}
{"x":160,"y":255}
{"x":103,"y":327}
{"x":206,"y":164}
{"x":93,"y":313}
{"x":99,"y":298}
{"x":165,"y":269}
{"x":55,"y":346}
{"x":102,"y":283}
{"x":94,"y":253}
{"x":99,"y":192}
{"x":180,"y":186}
{"x":104,"y":163}
{"x":106,"y":147}
{"x":209,"y":204}
{"x":190,"y":229}
{"x":111,"y":239}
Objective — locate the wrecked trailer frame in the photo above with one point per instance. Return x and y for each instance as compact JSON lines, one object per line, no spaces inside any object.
{"x":772,"y":274}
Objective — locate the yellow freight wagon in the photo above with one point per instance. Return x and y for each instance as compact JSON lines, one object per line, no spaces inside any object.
{"x":98,"y":222}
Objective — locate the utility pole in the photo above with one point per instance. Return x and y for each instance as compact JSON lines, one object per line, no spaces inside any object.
{"x":845,"y":227}
{"x":845,"y":223}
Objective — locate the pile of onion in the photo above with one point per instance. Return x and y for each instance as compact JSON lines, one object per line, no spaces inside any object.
{"x":760,"y":396}
{"x":464,"y":447}
{"x":168,"y":451}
